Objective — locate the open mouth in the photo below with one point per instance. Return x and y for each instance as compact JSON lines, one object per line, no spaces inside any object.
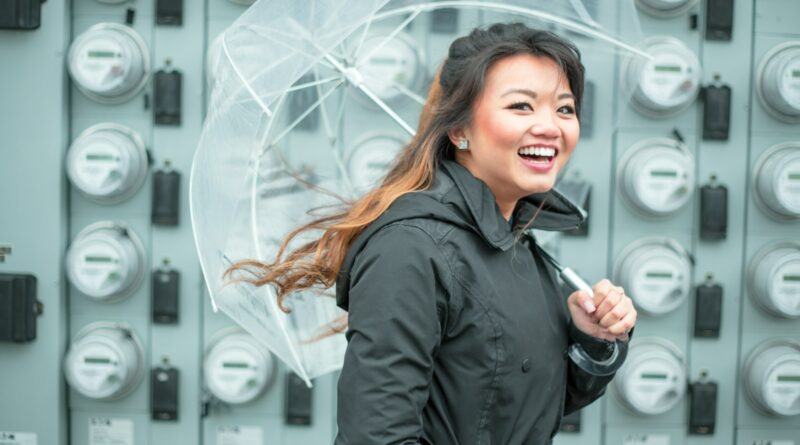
{"x":538,"y":153}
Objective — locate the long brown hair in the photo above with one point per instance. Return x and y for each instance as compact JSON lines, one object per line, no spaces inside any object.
{"x":457,"y":84}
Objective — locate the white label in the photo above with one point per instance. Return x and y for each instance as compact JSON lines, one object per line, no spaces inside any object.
{"x":107,"y":431}
{"x":646,"y":439}
{"x":239,"y":435}
{"x":17,"y":438}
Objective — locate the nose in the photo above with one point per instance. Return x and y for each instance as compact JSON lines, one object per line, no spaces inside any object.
{"x":545,"y":126}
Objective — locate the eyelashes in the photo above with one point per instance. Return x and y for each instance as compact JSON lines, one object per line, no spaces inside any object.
{"x":568,"y":109}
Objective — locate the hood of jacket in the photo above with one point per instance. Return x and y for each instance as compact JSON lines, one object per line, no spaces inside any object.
{"x":458,"y":198}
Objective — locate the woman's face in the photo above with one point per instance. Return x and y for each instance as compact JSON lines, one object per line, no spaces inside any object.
{"x":523,"y":130}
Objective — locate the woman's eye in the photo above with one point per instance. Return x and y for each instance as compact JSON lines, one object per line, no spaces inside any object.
{"x":567,"y":109}
{"x":520,"y":106}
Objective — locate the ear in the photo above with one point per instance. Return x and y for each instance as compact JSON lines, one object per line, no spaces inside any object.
{"x":456,"y":135}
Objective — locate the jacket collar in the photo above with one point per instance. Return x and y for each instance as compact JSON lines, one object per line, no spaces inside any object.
{"x":558,"y":213}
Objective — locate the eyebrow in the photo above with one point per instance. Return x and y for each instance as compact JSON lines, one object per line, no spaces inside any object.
{"x":533,"y":94}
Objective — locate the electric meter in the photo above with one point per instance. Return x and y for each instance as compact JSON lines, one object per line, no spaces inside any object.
{"x":777,"y":181}
{"x":370,"y":160}
{"x":109,"y":62}
{"x":105,"y":361}
{"x":773,"y":278}
{"x":107,"y":163}
{"x":391,"y":69}
{"x":656,"y":273}
{"x":771,"y":377}
{"x":656,"y":176}
{"x":665,"y":8}
{"x":778,"y":82}
{"x":667,"y":83}
{"x":106,"y":261}
{"x":653,"y":378}
{"x":237,"y":369}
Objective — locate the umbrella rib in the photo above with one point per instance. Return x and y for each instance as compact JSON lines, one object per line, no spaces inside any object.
{"x":315,"y":83}
{"x":241,"y":78}
{"x":363,"y":35}
{"x":333,"y":140}
{"x":412,"y":95}
{"x":514,"y":9}
{"x":305,"y":113}
{"x":388,"y":38}
{"x":337,"y":147}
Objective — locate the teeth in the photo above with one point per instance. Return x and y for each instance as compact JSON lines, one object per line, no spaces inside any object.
{"x":538,"y":151}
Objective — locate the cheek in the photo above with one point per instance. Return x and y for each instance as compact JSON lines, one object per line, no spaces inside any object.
{"x":495,"y":132}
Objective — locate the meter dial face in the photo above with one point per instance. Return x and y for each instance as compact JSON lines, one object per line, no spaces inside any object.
{"x":777,"y":179}
{"x":236,"y":368}
{"x":656,"y":176}
{"x":392,"y":68}
{"x":106,"y":261}
{"x":104,"y":361}
{"x":778,"y":82}
{"x":772,"y":377}
{"x":666,"y":84}
{"x":371,"y":159}
{"x":665,"y":8}
{"x":653,"y":378}
{"x":107,"y":163}
{"x":109,"y":62}
{"x":774,"y":279}
{"x":657,"y":274}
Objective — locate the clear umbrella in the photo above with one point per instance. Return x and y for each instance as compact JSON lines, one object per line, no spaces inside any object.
{"x":296,"y":89}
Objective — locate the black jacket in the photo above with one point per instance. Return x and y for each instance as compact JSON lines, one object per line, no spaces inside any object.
{"x":457,"y":330}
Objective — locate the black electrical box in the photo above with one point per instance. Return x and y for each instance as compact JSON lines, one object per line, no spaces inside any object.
{"x":303,"y":100}
{"x":444,"y":21}
{"x":580,"y":193}
{"x":713,"y":212}
{"x":166,"y":198}
{"x":719,"y":19}
{"x":18,"y":308}
{"x":20,"y":14}
{"x":169,"y":12}
{"x":716,"y":112}
{"x":164,"y":393}
{"x":708,"y":310}
{"x":167,"y":97}
{"x":165,"y":292}
{"x":298,"y":401}
{"x":702,"y":408}
{"x":587,"y":110}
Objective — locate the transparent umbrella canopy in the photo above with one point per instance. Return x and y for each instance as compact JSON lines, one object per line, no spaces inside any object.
{"x":309,"y":102}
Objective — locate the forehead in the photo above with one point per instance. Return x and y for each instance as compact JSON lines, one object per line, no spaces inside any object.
{"x":526,"y":71}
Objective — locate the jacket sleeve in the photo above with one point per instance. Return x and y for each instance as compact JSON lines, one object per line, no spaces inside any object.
{"x":584,"y":388}
{"x":395,"y":302}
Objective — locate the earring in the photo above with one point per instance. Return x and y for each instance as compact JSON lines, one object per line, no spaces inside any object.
{"x":463,"y":144}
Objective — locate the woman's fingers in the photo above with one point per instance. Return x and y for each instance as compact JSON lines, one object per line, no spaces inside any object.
{"x":624,"y":325}
{"x":611,"y":300}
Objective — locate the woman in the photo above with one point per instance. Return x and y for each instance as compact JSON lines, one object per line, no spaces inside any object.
{"x":457,"y":330}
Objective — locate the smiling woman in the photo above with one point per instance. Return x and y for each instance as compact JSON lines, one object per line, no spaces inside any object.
{"x":523,"y":131}
{"x":456,"y":328}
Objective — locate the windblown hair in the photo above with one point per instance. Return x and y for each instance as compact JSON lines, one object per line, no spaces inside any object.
{"x":449,"y":105}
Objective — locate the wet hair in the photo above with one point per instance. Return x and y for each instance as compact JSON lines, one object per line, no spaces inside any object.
{"x":457,"y":85}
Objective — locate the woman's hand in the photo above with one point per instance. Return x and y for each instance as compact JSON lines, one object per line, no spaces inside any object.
{"x":610,"y":315}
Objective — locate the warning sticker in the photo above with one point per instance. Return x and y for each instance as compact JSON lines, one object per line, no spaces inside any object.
{"x":107,"y":431}
{"x":17,"y":438}
{"x":239,"y":435}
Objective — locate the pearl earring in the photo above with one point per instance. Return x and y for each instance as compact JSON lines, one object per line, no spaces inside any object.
{"x":463,"y":144}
